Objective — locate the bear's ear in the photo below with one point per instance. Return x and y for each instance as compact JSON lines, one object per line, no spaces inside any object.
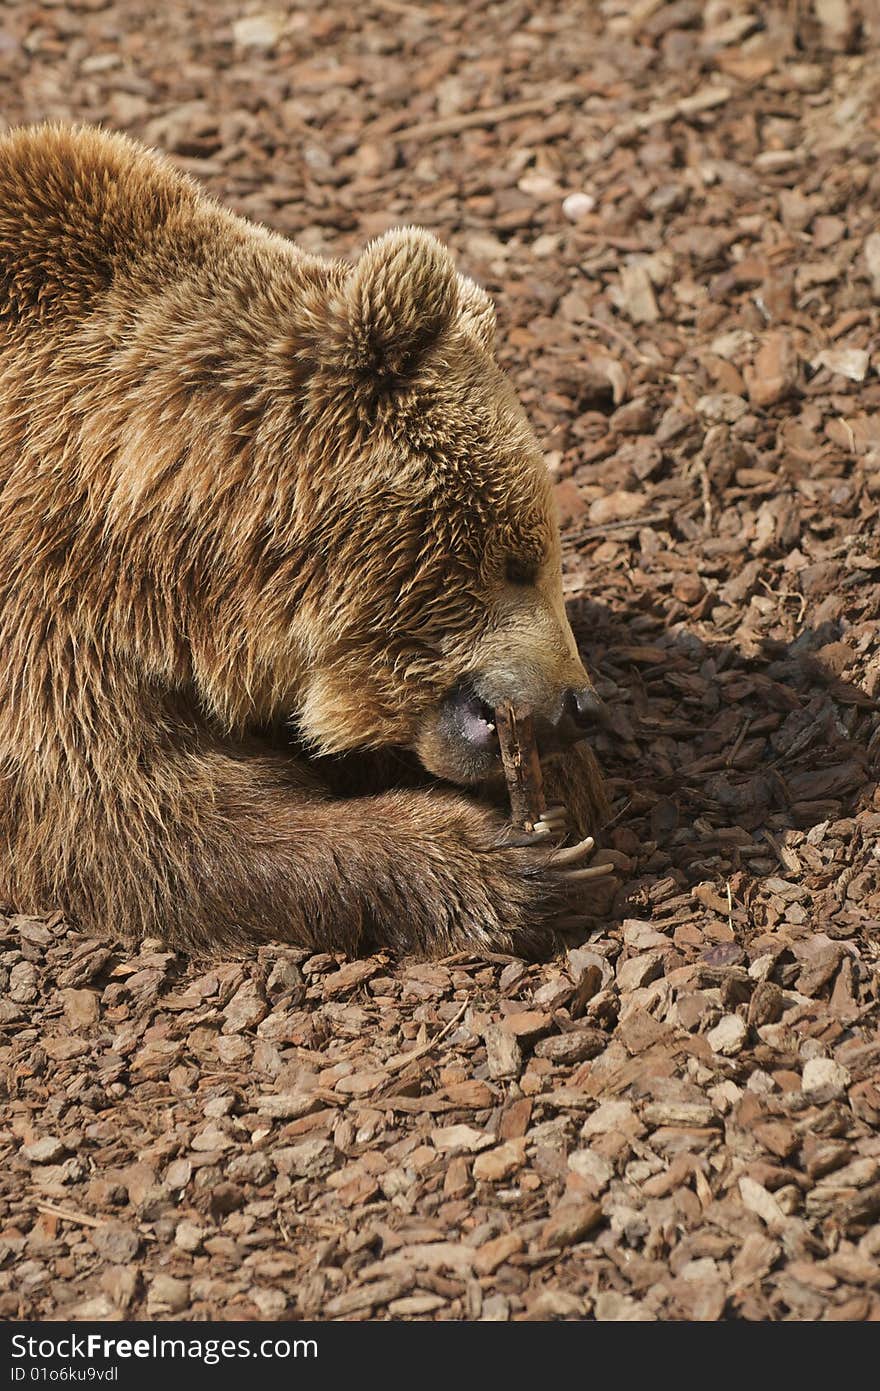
{"x":394,"y":305}
{"x":476,"y":313}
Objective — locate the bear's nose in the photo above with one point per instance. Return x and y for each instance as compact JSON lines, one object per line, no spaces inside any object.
{"x":583,"y":707}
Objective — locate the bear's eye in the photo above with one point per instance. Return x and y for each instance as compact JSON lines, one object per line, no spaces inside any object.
{"x":520,"y":571}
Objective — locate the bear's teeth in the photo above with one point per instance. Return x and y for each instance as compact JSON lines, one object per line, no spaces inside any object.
{"x":490,"y":727}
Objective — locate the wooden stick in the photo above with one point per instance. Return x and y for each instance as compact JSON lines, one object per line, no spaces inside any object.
{"x":404,"y":1059}
{"x":81,"y":1219}
{"x":522,"y":766}
{"x":593,"y":533}
{"x":621,"y":338}
{"x":487,"y":116}
{"x":704,"y":100}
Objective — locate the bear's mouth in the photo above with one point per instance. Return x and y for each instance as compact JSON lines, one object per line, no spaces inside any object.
{"x":478,"y":723}
{"x":459,"y":741}
{"x":471,"y":719}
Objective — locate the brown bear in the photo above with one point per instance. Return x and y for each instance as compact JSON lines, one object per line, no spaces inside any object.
{"x":274,"y":532}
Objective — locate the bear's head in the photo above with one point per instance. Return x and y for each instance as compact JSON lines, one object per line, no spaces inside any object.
{"x":434,"y":555}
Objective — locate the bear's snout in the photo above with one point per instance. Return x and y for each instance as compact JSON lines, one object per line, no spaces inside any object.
{"x":564,"y":719}
{"x":582,"y":711}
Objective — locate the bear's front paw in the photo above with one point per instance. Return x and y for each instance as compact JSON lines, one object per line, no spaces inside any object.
{"x":447,"y":874}
{"x":530,"y":886}
{"x":563,"y":870}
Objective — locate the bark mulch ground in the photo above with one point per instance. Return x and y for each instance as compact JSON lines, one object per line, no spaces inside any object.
{"x":676,"y":206}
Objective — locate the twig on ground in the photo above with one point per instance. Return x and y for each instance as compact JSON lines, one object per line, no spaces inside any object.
{"x":398,"y":1064}
{"x":81,"y":1219}
{"x":704,"y":100}
{"x":488,"y":116}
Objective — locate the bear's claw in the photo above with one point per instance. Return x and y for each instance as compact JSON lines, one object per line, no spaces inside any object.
{"x":552,"y":826}
{"x":578,"y":876}
{"x":563,"y":864}
{"x":572,"y":856}
{"x":573,"y":853}
{"x":553,"y":821}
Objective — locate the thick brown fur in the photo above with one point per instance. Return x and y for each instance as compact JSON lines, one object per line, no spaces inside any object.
{"x":244,"y":489}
